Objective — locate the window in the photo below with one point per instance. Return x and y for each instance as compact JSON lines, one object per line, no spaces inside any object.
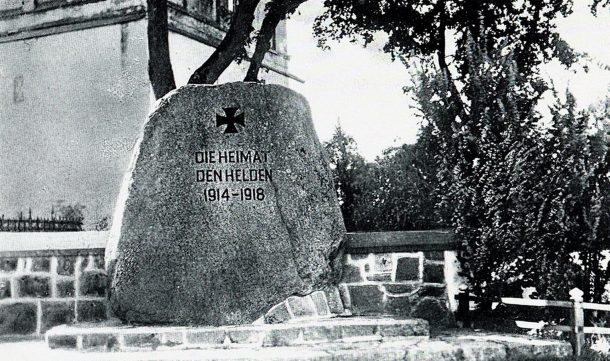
{"x":18,"y":89}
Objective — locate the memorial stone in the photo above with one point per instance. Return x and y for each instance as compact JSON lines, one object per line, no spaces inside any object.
{"x":229,"y":208}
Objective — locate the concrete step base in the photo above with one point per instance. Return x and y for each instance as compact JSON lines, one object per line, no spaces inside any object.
{"x":473,"y":347}
{"x":343,"y":330}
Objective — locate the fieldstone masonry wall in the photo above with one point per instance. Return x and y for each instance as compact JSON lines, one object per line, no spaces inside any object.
{"x":401,"y":284}
{"x":52,"y":279}
{"x":42,"y":288}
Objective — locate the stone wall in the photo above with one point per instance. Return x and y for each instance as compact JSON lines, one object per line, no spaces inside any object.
{"x":44,"y":282}
{"x":47,"y":279}
{"x":403,"y":274}
{"x":399,"y":284}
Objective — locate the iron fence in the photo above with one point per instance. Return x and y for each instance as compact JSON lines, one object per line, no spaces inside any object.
{"x":29,"y":224}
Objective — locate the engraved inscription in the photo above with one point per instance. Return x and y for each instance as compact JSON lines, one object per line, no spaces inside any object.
{"x":222,"y":181}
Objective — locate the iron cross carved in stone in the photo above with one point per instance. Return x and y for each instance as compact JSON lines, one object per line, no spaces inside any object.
{"x":230,"y":120}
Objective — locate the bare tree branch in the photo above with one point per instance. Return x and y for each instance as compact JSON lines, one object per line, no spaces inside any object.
{"x":160,"y":70}
{"x":231,"y":47}
{"x":276,"y":11}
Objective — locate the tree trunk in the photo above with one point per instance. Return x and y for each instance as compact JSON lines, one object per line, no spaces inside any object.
{"x":160,"y":70}
{"x":444,"y":67}
{"x":231,"y":46}
{"x":277,"y":10}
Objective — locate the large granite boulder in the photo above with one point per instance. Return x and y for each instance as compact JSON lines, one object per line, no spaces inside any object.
{"x":229,"y":208}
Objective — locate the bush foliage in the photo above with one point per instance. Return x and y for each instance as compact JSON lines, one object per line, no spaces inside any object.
{"x":527,"y":195}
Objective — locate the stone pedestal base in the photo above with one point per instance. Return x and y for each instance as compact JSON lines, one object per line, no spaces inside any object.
{"x":116,"y":337}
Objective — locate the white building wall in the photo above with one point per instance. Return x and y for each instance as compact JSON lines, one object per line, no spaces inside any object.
{"x":71,"y":106}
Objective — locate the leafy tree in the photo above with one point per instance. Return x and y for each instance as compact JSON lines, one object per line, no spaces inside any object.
{"x":68,"y":211}
{"x":589,"y":197}
{"x":566,"y":192}
{"x":349,"y":173}
{"x":423,"y":29}
{"x":477,"y":158}
{"x":524,"y":199}
{"x":396,"y":192}
{"x":405,"y":192}
{"x":415,"y":28}
{"x":519,"y":213}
